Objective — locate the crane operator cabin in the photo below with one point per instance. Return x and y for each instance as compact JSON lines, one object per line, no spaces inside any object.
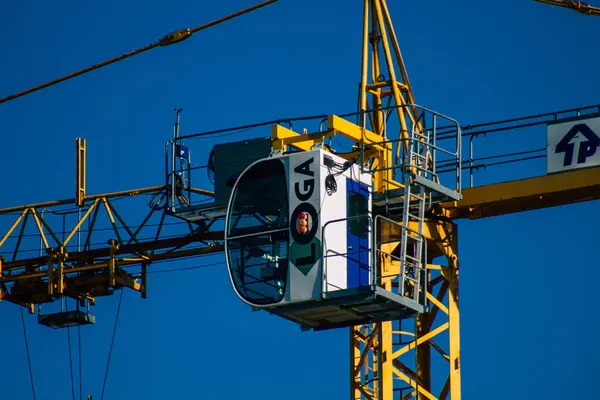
{"x":298,"y":241}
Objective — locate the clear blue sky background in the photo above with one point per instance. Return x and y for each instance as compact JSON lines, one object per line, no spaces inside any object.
{"x":527,"y":280}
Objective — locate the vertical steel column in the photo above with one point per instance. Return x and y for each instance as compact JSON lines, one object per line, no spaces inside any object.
{"x":355,"y":356}
{"x":60,"y":273}
{"x":381,"y":362}
{"x":454,"y":319}
{"x":80,"y":171}
{"x":50,"y":272}
{"x":423,"y":352}
{"x":364,"y":65}
{"x":112,"y":263}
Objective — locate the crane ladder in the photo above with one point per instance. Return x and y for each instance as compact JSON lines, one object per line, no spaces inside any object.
{"x":422,"y":188}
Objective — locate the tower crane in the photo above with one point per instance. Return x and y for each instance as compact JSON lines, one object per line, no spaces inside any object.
{"x":362,"y":236}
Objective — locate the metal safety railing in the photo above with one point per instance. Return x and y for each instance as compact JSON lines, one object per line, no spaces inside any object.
{"x":178,"y":178}
{"x":409,"y":281}
{"x":337,"y":257}
{"x":423,"y":132}
{"x":517,"y":150}
{"x":254,"y":262}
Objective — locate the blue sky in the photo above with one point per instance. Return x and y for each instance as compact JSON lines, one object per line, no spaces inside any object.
{"x":526,"y":280}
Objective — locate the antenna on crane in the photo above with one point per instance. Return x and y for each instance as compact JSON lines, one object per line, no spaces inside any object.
{"x":180,"y":177}
{"x":176,"y":127}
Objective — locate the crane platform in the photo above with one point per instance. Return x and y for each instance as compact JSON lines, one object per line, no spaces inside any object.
{"x":200,"y":212}
{"x":66,"y":319}
{"x":349,"y":307}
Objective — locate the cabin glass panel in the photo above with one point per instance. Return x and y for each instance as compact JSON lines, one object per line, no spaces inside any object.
{"x":258,"y":233}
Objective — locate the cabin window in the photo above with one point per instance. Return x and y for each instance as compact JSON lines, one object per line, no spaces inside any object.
{"x":258,"y":233}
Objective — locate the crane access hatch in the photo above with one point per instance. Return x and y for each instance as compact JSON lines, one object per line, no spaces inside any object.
{"x":299,"y":236}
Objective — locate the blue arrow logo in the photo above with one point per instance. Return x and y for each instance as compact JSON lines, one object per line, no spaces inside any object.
{"x":183,"y":151}
{"x":587,"y":148}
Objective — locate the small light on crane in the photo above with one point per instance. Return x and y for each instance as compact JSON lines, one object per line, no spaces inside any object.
{"x":303,"y":222}
{"x":175,"y":37}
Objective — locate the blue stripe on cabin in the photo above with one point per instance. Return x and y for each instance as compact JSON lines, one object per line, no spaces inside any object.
{"x":357,"y":246}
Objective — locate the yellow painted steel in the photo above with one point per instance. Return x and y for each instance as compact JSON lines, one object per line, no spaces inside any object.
{"x":130,"y":193}
{"x":374,"y":147}
{"x":62,"y":274}
{"x":389,"y":367}
{"x":13,"y":226}
{"x":376,"y":366}
{"x":85,"y":216}
{"x":60,"y":258}
{"x":526,"y":194}
{"x":381,"y":28}
{"x":39,"y":225}
{"x":62,"y":270}
{"x":112,"y":263}
{"x":50,"y":274}
{"x":283,"y":137}
{"x":80,"y":171}
{"x":374,"y":361}
{"x":356,"y":133}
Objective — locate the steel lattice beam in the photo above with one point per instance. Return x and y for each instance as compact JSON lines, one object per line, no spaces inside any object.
{"x":104,"y":258}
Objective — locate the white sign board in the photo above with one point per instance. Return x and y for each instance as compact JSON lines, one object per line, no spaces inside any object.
{"x":573,"y":145}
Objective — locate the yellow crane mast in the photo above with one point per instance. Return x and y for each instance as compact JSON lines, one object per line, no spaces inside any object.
{"x":400,"y":176}
{"x":377,"y":363}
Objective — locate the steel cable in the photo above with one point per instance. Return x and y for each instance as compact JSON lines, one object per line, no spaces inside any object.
{"x":171,"y":38}
{"x":80,"y":368}
{"x":28,"y":354}
{"x":112,"y":342}
{"x":71,"y":361}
